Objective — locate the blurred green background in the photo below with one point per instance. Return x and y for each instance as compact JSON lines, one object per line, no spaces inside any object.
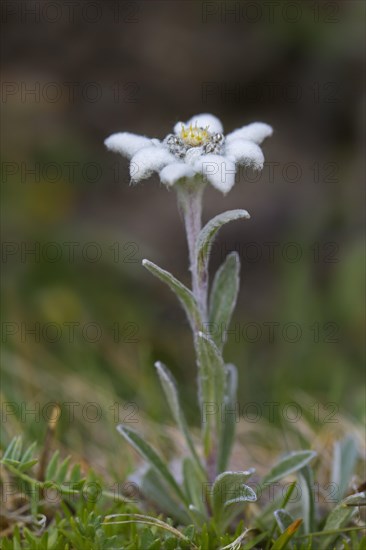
{"x":74,"y":75}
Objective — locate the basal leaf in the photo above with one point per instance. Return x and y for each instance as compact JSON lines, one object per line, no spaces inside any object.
{"x":344,"y":459}
{"x":287,"y":465}
{"x":308,"y":499}
{"x":193,"y":485}
{"x":340,"y":516}
{"x":230,"y":488}
{"x":171,"y":393}
{"x":151,"y":456}
{"x":155,"y":489}
{"x":283,"y":519}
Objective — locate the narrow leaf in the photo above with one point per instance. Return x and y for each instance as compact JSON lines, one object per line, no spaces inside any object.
{"x":184,"y":295}
{"x":193,"y":485}
{"x":340,"y":516}
{"x":283,"y":519}
{"x":228,"y":487}
{"x":344,"y":460}
{"x":252,"y":543}
{"x":171,"y":393}
{"x":62,"y":471}
{"x":24,"y":466}
{"x":283,"y":540}
{"x":52,"y":466}
{"x":29,"y":452}
{"x":306,"y":479}
{"x":287,"y":465}
{"x":245,"y":494}
{"x":224,"y":293}
{"x":208,"y":233}
{"x":199,"y":518}
{"x":151,"y":456}
{"x":237,"y":543}
{"x":10,"y":448}
{"x":212,"y":383}
{"x":17,"y":449}
{"x":235,"y":507}
{"x":229,"y":417}
{"x":154,"y":488}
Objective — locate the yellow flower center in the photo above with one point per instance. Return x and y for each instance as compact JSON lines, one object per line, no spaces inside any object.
{"x":194,"y":136}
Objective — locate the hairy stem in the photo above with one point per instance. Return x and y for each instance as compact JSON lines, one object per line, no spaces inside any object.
{"x":190,"y":203}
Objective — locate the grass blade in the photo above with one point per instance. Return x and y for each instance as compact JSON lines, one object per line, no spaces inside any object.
{"x":283,"y":540}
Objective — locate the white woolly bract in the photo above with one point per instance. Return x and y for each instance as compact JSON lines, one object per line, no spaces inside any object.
{"x":218,"y":170}
{"x":127,"y":144}
{"x":175,"y":158}
{"x":256,"y":132}
{"x":245,"y":152}
{"x":176,"y":171}
{"x":149,"y":160}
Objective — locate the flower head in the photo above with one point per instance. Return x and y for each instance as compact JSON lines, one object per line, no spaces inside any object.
{"x":196,"y":147}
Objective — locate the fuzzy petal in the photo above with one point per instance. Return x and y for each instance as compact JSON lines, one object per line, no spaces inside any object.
{"x":245,"y":152}
{"x":218,"y":170}
{"x":202,"y":121}
{"x":174,"y":172}
{"x":256,"y":132}
{"x":127,"y":144}
{"x":149,"y":160}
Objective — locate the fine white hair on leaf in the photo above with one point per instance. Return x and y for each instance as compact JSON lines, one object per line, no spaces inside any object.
{"x":245,"y":152}
{"x":174,"y":172}
{"x":218,"y":170}
{"x":149,"y":160}
{"x":127,"y":144}
{"x":256,"y":132}
{"x":203,"y":120}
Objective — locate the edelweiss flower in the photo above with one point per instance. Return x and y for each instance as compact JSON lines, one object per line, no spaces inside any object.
{"x":196,"y":147}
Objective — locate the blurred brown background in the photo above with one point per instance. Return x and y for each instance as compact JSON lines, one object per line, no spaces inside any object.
{"x":72,"y":74}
